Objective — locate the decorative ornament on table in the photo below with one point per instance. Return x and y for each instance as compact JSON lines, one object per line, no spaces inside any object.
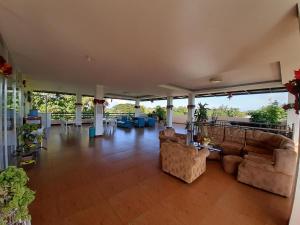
{"x":293,"y":87}
{"x":5,"y":68}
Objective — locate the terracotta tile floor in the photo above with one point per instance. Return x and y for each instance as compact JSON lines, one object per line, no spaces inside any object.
{"x":116,"y":180}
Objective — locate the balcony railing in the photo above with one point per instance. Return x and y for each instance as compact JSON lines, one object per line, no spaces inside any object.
{"x":85,"y":116}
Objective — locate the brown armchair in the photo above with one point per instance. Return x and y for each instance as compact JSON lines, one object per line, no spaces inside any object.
{"x":170,"y":135}
{"x":183,"y":161}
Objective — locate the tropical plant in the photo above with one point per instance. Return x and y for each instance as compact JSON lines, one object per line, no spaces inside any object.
{"x":160,"y":113}
{"x":201,"y":112}
{"x":272,"y":113}
{"x":28,"y":136}
{"x":15,"y":196}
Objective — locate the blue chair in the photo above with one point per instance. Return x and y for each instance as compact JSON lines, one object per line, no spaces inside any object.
{"x":124,"y":122}
{"x":139,"y":122}
{"x":150,"y":122}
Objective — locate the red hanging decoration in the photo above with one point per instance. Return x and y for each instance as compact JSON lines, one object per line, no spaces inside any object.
{"x":293,"y":86}
{"x":99,"y":101}
{"x":5,"y":68}
{"x":288,"y":106}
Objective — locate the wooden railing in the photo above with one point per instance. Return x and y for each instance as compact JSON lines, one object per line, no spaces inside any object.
{"x":72,"y":116}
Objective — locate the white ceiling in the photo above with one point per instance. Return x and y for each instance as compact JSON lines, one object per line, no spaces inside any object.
{"x":137,"y":45}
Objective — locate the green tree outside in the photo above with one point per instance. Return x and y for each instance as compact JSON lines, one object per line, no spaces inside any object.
{"x":272,"y":113}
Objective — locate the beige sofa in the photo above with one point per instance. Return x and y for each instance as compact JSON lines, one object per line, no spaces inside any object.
{"x":231,"y":139}
{"x":170,"y":135}
{"x":270,"y":163}
{"x":270,"y":160}
{"x":183,"y":161}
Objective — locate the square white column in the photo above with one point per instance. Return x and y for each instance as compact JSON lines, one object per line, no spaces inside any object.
{"x":99,"y":96}
{"x":293,"y":119}
{"x":137,"y":111}
{"x":78,"y":109}
{"x":191,"y":107}
{"x":169,"y":111}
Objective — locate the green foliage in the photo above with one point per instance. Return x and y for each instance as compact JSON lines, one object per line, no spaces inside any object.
{"x":201,"y":113}
{"x":14,"y":194}
{"x":122,"y":108}
{"x":87,"y":105}
{"x":181,"y":110}
{"x":272,"y":113}
{"x":226,"y":112}
{"x":160,"y":112}
{"x":28,"y":136}
{"x":56,"y":103}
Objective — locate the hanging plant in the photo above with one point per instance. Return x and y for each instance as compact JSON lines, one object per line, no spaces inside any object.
{"x":5,"y":68}
{"x":293,"y":87}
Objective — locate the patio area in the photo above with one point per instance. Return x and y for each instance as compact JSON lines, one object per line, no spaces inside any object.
{"x":117,"y":180}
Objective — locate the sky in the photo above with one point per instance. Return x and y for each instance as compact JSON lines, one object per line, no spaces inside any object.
{"x":243,"y":102}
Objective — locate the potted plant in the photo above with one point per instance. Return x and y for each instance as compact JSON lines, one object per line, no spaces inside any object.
{"x":29,"y":141}
{"x":201,"y":117}
{"x":201,"y":113}
{"x":15,"y":196}
{"x":160,"y":113}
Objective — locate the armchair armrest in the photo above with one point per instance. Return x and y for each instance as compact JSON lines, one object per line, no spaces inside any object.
{"x":285,"y":161}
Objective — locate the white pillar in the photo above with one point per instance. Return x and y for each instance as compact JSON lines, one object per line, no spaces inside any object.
{"x":191,"y":107}
{"x":99,"y":130}
{"x":169,"y":111}
{"x":137,"y":107}
{"x":293,"y":119}
{"x":78,"y":108}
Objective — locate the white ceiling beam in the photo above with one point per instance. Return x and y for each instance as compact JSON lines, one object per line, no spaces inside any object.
{"x":241,"y":88}
{"x":175,"y":88}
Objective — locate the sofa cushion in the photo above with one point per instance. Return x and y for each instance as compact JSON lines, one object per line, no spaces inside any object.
{"x":231,"y":148}
{"x":234,"y":134}
{"x":258,"y":150}
{"x":216,"y":134}
{"x":260,"y":158}
{"x":263,"y":139}
{"x":287,"y":143}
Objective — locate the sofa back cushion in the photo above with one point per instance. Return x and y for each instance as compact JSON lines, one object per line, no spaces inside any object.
{"x":234,"y":134}
{"x":216,"y":133}
{"x":287,"y":143}
{"x":264,"y":140}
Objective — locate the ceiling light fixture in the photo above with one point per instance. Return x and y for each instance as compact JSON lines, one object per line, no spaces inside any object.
{"x":215,"y":80}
